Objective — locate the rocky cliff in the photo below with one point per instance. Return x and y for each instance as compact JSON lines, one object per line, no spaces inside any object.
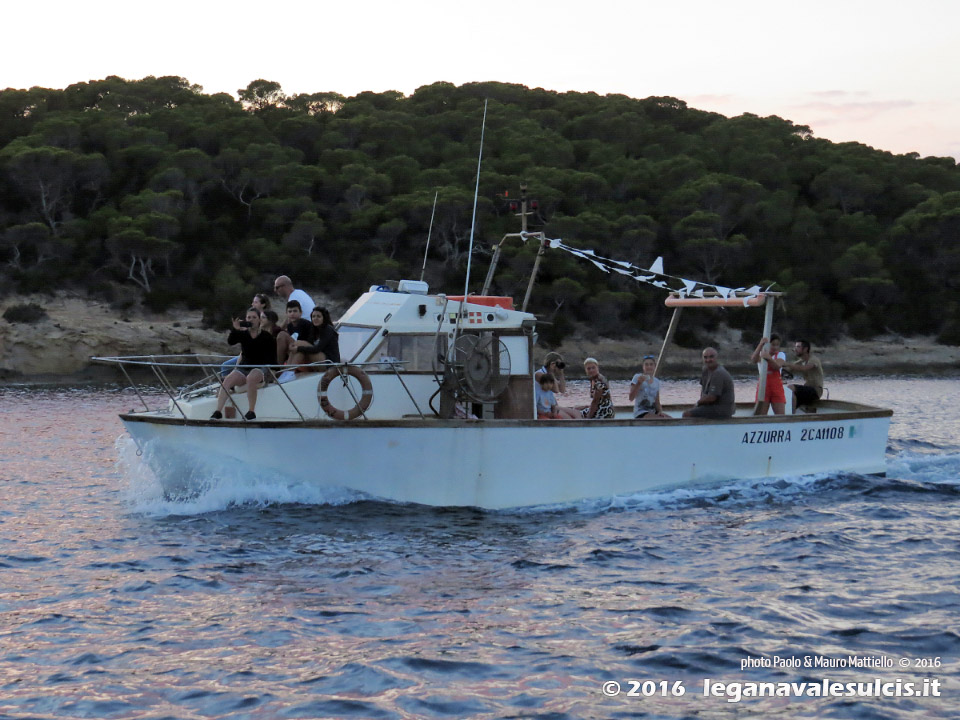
{"x":61,"y":342}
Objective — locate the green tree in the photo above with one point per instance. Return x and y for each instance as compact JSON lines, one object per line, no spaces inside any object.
{"x":305,"y":233}
{"x":137,"y":251}
{"x":842,"y":186}
{"x":50,"y":178}
{"x":261,"y":95}
{"x":925,"y":256}
{"x":28,"y":245}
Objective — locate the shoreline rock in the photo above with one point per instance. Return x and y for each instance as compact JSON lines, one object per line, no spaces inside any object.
{"x":75,"y":329}
{"x":885,"y":355}
{"x":57,"y":349}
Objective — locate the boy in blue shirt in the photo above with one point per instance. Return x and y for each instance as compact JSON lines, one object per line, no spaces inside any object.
{"x":546,"y":400}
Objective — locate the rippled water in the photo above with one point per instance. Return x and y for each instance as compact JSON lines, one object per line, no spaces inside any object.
{"x":266,"y":602}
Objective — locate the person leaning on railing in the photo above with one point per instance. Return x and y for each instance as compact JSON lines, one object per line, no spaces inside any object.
{"x":258,"y":351}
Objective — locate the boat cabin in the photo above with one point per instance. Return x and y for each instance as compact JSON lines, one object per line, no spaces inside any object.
{"x":406,"y":353}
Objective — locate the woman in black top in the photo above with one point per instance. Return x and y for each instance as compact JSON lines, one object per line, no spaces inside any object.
{"x":258,"y":350}
{"x":325,"y":343}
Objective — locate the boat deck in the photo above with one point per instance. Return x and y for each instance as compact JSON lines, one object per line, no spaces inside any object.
{"x":826,"y":410}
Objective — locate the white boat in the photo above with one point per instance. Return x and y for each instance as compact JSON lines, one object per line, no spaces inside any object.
{"x":414,"y":361}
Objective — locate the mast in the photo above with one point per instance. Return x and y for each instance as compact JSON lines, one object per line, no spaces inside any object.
{"x":543,"y":246}
{"x":476,"y":194}
{"x":767,"y":329}
{"x":429,"y":233}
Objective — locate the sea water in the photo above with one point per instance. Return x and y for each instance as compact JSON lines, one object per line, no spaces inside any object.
{"x":828,"y":595}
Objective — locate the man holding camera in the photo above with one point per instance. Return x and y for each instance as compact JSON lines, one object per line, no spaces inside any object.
{"x":258,"y":350}
{"x":554,"y":365}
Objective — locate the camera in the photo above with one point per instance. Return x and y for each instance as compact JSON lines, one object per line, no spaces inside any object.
{"x":245,"y":323}
{"x":561,"y":365}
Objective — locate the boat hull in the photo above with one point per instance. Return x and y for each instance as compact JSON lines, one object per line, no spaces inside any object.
{"x":504,"y":464}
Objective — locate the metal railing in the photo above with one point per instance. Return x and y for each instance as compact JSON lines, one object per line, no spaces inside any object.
{"x":213,"y":377}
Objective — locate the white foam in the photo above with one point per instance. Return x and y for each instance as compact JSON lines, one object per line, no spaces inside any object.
{"x":937,"y":468}
{"x":745,"y":491}
{"x":218,"y":484}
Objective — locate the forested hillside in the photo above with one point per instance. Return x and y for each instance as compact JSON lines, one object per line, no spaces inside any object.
{"x":153,"y":189}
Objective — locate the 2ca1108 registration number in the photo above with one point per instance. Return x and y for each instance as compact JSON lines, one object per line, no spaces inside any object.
{"x":825,"y":433}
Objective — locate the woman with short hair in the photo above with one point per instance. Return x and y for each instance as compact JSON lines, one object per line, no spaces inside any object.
{"x":601,"y":405}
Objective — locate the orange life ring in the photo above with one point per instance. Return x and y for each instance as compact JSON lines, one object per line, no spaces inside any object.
{"x":366,"y":397}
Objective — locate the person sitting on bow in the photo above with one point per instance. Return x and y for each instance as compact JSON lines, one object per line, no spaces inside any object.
{"x":258,"y":351}
{"x":325,"y":342}
{"x":296,"y":328}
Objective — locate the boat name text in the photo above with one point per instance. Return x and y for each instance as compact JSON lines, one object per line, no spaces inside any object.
{"x":755,"y":437}
{"x":764,"y":437}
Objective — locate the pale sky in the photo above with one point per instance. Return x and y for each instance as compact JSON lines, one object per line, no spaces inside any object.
{"x":881,"y":72}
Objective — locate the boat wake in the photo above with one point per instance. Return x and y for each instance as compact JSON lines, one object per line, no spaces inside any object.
{"x":939,"y":469}
{"x":907,"y":472}
{"x":218,"y":484}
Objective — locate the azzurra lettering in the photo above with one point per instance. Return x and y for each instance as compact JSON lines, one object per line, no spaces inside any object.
{"x":759,"y":437}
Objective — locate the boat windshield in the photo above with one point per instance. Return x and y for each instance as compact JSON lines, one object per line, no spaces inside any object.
{"x":352,"y":340}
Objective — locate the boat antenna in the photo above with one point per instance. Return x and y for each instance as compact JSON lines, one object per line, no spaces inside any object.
{"x":429,"y":232}
{"x":476,"y":193}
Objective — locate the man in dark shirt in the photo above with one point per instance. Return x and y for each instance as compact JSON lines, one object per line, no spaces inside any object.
{"x":297,"y":328}
{"x":716,"y":395}
{"x":258,"y":350}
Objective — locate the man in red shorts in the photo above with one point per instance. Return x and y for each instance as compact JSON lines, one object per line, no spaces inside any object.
{"x":773,"y":396}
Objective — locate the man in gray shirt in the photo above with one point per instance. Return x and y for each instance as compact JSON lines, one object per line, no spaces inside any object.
{"x":716,"y":394}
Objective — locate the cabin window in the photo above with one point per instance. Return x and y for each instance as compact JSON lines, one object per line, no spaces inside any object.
{"x":414,"y":351}
{"x":352,"y":339}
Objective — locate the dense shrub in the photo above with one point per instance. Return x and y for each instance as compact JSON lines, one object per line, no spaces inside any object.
{"x":25,"y":313}
{"x":950,"y":334}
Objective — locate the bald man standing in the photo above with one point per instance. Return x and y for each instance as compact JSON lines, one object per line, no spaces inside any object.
{"x":283,"y":286}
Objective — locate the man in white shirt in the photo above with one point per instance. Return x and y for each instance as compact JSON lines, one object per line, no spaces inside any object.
{"x":283,"y":286}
